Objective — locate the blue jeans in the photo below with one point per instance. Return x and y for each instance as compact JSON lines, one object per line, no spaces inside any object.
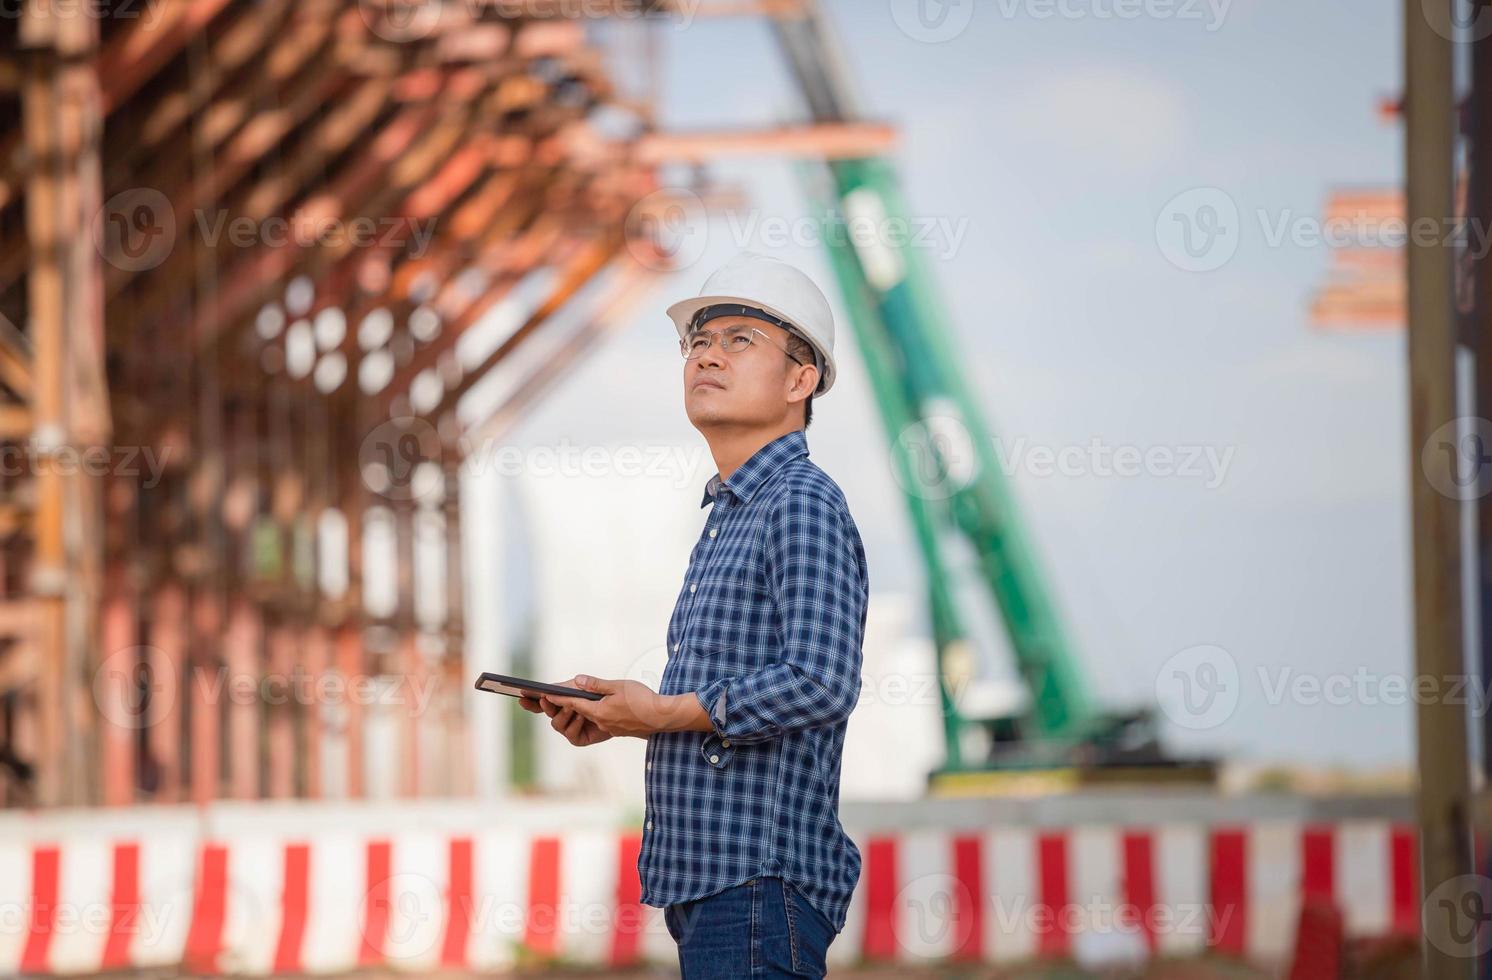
{"x":760,"y":928}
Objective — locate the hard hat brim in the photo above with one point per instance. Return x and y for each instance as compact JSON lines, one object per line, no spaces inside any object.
{"x":682,"y":312}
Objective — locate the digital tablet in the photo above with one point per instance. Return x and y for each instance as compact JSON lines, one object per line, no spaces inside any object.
{"x":518,"y":687}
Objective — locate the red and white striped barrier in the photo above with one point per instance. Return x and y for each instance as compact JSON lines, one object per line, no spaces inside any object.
{"x":266,"y":899}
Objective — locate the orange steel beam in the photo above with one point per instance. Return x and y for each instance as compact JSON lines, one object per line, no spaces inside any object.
{"x":15,"y":360}
{"x":818,"y":141}
{"x":632,"y":284}
{"x":522,"y":257}
{"x":480,"y":232}
{"x":579,"y":266}
{"x":168,"y":672}
{"x":260,"y":134}
{"x":577,"y":272}
{"x":354,"y":113}
{"x":203,"y":684}
{"x":128,"y":61}
{"x":60,"y":125}
{"x":750,"y":8}
{"x":493,"y":211}
{"x":251,"y":280}
{"x":500,"y":148}
{"x":216,"y":125}
{"x":147,"y":45}
{"x":231,"y":56}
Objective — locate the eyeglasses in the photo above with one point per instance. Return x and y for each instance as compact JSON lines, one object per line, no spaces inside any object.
{"x":733,"y":340}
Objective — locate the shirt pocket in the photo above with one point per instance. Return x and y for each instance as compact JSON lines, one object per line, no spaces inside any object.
{"x":735,"y":606}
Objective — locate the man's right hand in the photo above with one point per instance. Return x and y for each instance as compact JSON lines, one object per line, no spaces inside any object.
{"x":579,"y":730}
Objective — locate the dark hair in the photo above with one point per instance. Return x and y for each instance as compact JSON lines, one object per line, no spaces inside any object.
{"x":803,"y":351}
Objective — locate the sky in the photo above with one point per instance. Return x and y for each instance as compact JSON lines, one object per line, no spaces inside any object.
{"x":1055,"y":157}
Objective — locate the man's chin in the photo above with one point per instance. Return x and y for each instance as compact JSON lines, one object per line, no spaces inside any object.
{"x":705,"y":414}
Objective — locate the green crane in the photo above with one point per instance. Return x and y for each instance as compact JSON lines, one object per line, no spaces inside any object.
{"x":957,"y":496}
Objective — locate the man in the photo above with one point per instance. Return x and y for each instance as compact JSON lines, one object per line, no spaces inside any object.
{"x":742,"y":845}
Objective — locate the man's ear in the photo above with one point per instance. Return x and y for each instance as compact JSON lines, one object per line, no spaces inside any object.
{"x":806,"y":381}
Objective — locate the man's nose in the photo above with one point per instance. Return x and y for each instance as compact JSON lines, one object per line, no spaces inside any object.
{"x":714,"y":355}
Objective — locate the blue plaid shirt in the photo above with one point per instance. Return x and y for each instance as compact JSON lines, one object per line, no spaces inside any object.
{"x":767,"y":632}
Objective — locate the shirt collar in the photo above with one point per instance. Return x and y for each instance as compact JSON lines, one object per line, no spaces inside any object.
{"x":762,"y":464}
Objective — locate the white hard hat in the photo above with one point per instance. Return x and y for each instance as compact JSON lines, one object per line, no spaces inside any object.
{"x":773,"y":286}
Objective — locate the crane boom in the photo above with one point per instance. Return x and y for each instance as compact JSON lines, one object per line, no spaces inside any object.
{"x":943,"y":454}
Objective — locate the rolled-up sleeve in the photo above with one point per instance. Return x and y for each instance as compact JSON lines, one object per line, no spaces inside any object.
{"x":815,"y":569}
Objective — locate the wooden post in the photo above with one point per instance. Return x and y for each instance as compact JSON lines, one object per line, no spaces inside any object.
{"x":1444,"y":803}
{"x":61,"y":122}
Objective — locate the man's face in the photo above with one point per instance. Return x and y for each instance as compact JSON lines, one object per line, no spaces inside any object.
{"x":756,"y":386}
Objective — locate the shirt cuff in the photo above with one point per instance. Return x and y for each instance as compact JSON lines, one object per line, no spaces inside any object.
{"x":716,"y":747}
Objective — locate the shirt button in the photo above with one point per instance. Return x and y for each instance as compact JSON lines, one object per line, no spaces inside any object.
{"x":691,"y":586}
{"x":714,"y":758}
{"x":713,"y":531}
{"x":650,"y":825}
{"x":650,"y":765}
{"x":675,"y":648}
{"x":725,"y":742}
